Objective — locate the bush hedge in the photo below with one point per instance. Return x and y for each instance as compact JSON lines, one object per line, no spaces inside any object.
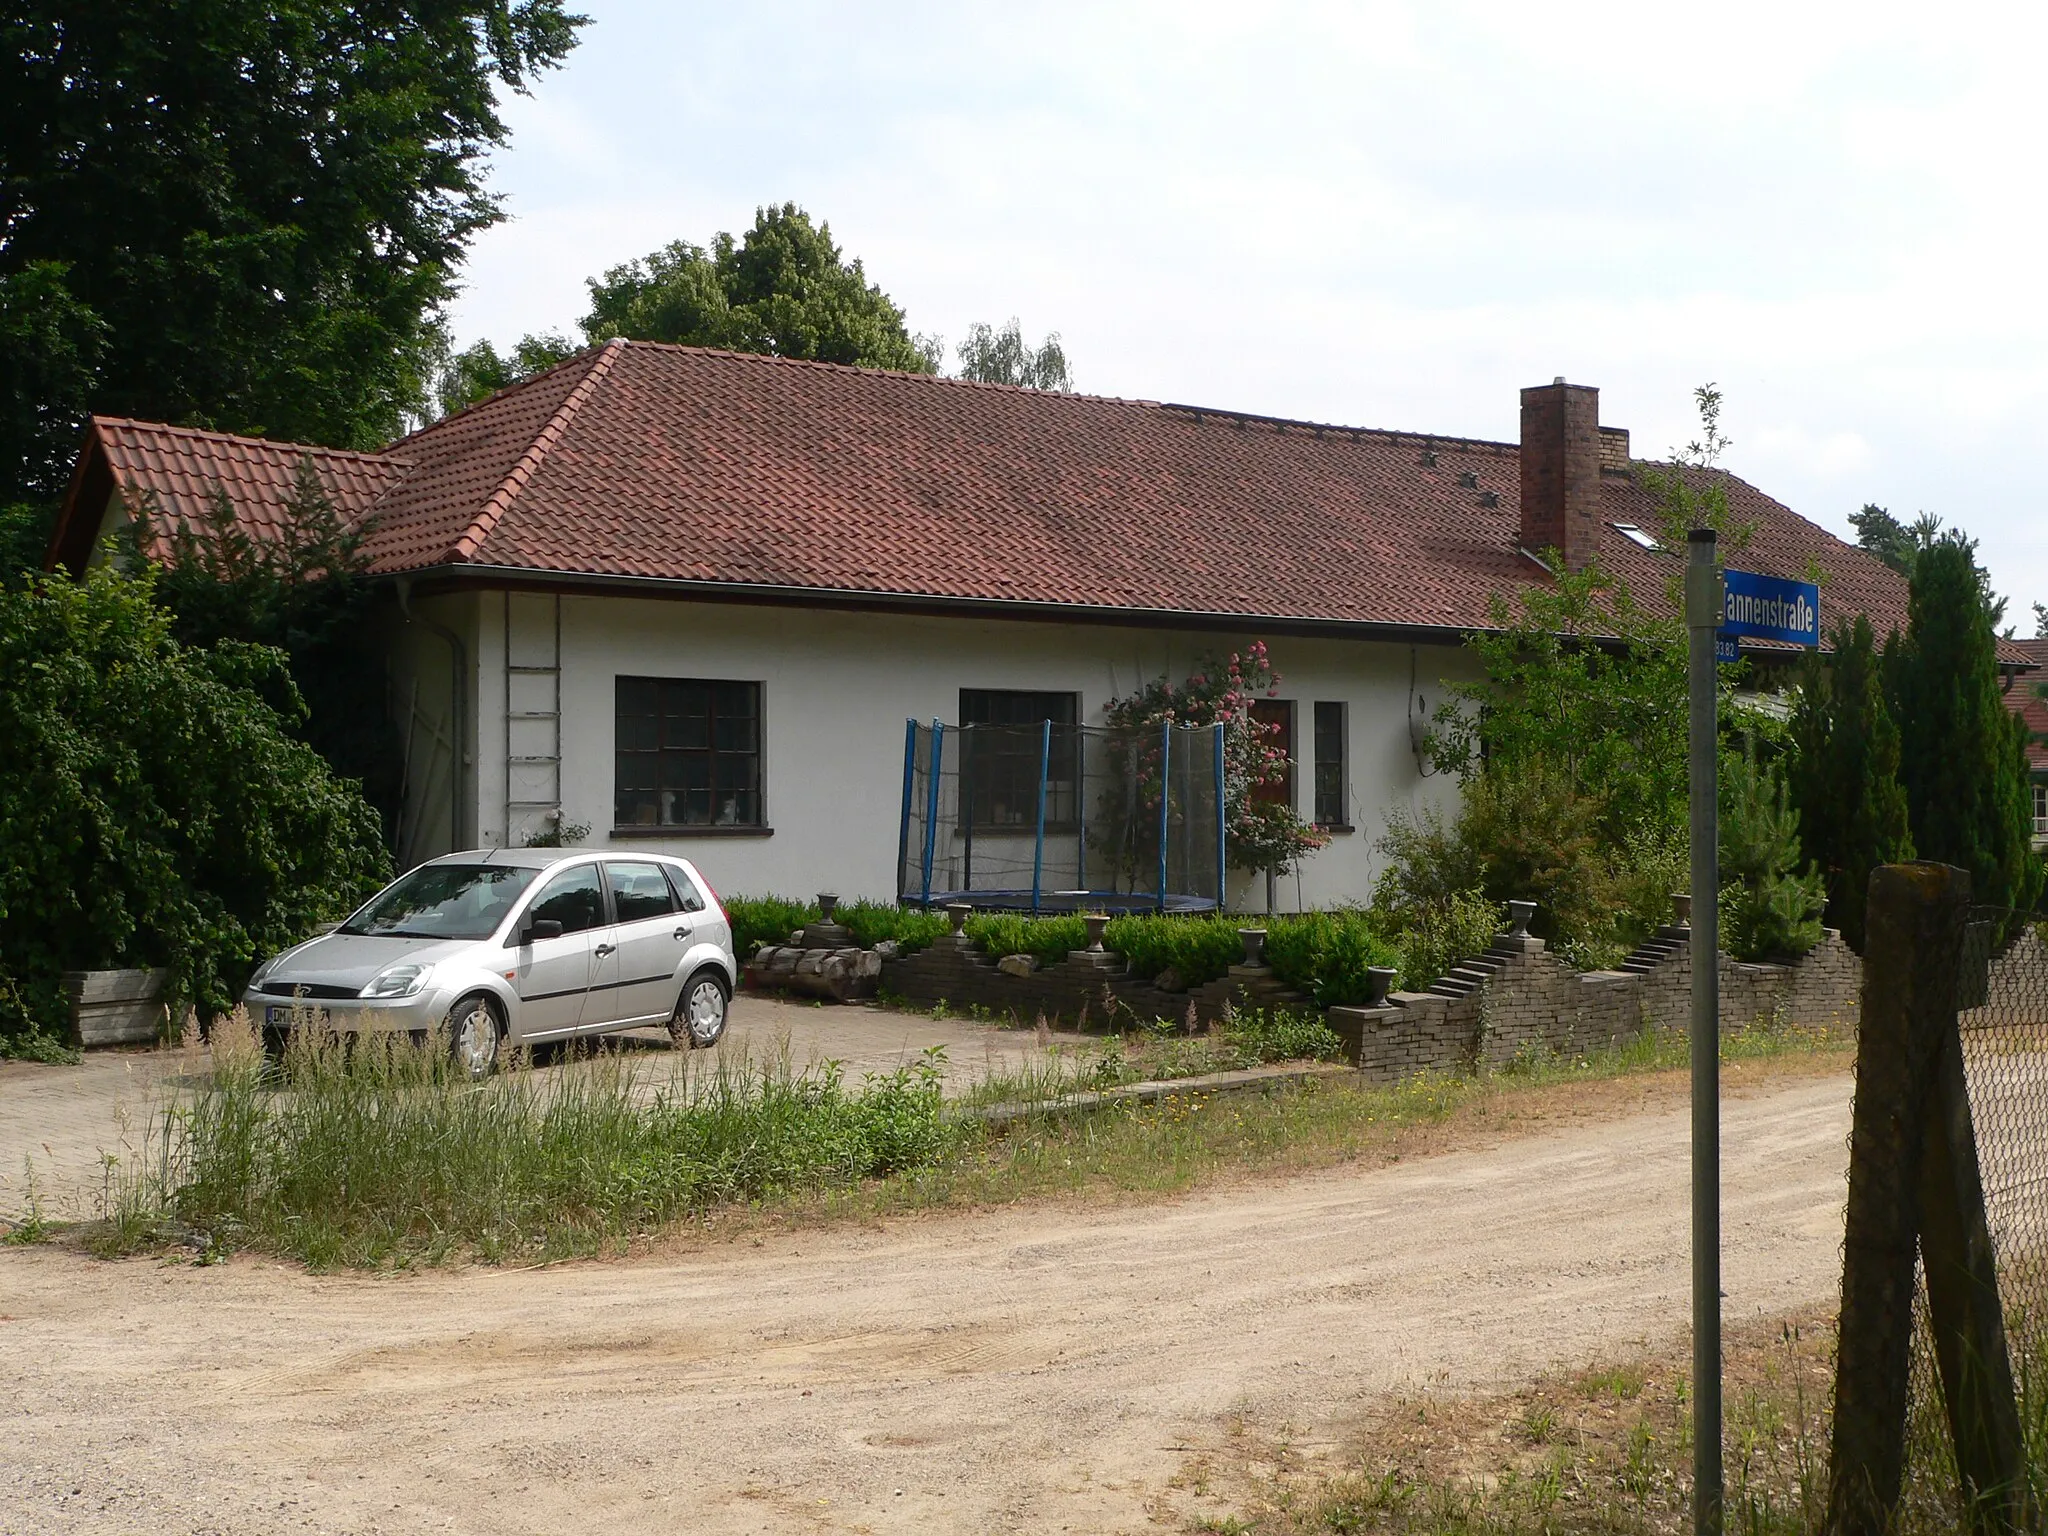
{"x":1324,"y":955}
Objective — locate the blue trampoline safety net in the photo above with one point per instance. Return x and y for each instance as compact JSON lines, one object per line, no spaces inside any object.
{"x":1062,"y":818}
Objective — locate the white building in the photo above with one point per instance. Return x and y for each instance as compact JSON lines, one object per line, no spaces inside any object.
{"x":688,"y":599}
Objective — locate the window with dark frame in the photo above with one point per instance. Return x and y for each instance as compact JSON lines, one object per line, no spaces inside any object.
{"x":2041,"y":810}
{"x":688,"y":753}
{"x":1000,"y":747}
{"x":1277,"y":712}
{"x":1333,"y":807}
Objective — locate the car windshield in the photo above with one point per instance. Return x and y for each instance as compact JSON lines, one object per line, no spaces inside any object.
{"x":444,"y":901}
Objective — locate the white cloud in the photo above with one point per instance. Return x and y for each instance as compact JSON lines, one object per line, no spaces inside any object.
{"x":1391,"y":214}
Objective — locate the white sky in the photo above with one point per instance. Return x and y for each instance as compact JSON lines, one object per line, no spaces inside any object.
{"x":1388,"y":215}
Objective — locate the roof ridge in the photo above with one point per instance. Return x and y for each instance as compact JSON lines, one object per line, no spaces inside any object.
{"x":581,"y":357}
{"x":885,"y":373}
{"x":494,"y":508}
{"x":1445,"y":439}
{"x":282,"y":445}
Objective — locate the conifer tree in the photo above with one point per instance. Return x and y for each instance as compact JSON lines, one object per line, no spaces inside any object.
{"x":1844,"y":777}
{"x":1962,"y":755}
{"x":1768,"y":909}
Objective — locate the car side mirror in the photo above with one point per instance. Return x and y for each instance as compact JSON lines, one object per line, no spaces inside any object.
{"x":541,"y":928}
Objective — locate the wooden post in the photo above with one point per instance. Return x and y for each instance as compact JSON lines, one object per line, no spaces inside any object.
{"x":1915,"y":927}
{"x":1962,"y":1300}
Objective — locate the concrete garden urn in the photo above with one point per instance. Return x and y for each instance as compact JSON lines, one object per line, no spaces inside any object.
{"x":1519,"y":913}
{"x":1379,"y":981}
{"x":828,"y":905}
{"x":957,"y":913}
{"x":1681,"y":908}
{"x":1097,"y":923}
{"x":1254,"y":945}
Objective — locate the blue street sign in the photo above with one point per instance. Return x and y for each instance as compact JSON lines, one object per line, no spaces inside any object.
{"x":1769,"y":608}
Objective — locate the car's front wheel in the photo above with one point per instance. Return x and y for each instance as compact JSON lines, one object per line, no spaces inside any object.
{"x":699,"y":1019}
{"x":475,"y":1035}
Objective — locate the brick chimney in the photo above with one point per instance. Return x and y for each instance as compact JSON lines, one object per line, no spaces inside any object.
{"x":1561,"y":471}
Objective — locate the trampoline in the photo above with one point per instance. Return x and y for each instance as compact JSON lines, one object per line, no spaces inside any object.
{"x":1062,"y":818}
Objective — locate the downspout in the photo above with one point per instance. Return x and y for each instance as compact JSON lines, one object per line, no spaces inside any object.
{"x":458,"y":687}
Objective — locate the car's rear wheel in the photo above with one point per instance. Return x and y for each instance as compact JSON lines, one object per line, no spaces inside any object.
{"x":475,"y":1037}
{"x":699,"y":1019}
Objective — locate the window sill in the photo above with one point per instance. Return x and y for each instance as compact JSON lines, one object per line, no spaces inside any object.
{"x":1335,"y":828}
{"x":637,"y":832}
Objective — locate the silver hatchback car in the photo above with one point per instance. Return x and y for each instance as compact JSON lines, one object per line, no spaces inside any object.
{"x":514,"y":946}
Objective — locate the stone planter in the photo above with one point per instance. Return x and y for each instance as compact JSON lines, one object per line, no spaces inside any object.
{"x":1379,"y":981}
{"x":1097,"y":923}
{"x":957,"y":913}
{"x":1519,"y":914}
{"x":115,"y":1007}
{"x":828,"y":905}
{"x":1254,"y":940}
{"x":1681,"y":909}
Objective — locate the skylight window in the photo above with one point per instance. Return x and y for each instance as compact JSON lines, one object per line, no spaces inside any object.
{"x":1631,"y":531}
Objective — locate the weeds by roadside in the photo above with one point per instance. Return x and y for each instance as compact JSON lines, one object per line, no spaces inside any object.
{"x":1602,"y":1451}
{"x":371,"y":1150}
{"x":374,"y":1151}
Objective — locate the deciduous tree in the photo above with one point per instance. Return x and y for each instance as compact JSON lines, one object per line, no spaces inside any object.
{"x":239,"y":215}
{"x":783,"y":288}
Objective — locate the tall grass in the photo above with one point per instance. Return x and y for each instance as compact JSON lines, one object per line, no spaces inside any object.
{"x":370,"y":1150}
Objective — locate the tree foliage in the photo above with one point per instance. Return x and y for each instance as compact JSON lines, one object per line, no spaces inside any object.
{"x":1583,"y":684}
{"x":154,"y":807}
{"x":304,"y":592}
{"x":784,"y":288}
{"x":1770,"y":909}
{"x":478,"y":372}
{"x":1262,"y":832}
{"x":991,"y":356}
{"x":1963,"y":755}
{"x":1844,"y":776}
{"x":239,"y":215}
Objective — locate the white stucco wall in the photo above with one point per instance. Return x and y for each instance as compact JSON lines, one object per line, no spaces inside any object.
{"x":837,"y":688}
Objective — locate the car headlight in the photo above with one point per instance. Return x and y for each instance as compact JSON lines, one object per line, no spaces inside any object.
{"x":398,"y":981}
{"x":257,"y":977}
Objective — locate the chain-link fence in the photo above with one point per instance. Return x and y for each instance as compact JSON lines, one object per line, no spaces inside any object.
{"x":2002,"y":1020}
{"x":1051,"y":817}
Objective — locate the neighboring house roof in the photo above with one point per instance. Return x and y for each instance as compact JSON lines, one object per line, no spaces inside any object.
{"x":2024,"y":699}
{"x":735,"y":471}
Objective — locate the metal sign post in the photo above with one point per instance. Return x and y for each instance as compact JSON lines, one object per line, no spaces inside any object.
{"x":1720,"y":608}
{"x":1703,"y":615}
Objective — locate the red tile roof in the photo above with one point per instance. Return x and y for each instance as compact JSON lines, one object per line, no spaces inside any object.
{"x":679,"y":464}
{"x":178,"y":472}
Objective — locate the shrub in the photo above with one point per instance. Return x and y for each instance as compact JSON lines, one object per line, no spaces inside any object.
{"x":1326,"y":954}
{"x":1015,"y":933}
{"x":1435,"y":934}
{"x":1200,"y":948}
{"x":873,"y":922}
{"x":758,"y":920}
{"x":1260,"y":1035}
{"x":154,"y":807}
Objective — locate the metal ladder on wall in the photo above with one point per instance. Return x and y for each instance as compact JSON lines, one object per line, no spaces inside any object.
{"x":533,"y":715}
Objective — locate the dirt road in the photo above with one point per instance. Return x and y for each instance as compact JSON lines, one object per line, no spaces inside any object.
{"x":1032,"y":1370}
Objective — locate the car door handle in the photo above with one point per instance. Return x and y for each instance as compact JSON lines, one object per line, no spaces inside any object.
{"x":604,"y":949}
{"x":683,"y":932}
